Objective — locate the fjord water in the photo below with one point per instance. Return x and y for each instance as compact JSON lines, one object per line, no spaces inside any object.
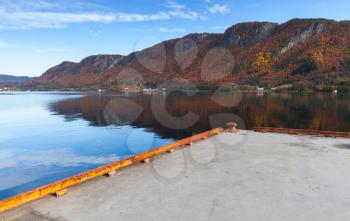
{"x":38,"y":146}
{"x":46,"y":137}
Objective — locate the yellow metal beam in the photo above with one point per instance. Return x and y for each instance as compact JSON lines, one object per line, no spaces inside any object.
{"x":62,"y":185}
{"x":61,"y":193}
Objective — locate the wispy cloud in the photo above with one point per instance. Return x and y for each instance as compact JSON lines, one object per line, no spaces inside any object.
{"x":172,"y":30}
{"x":29,"y":5}
{"x":26,"y":4}
{"x":182,"y":11}
{"x":162,"y":29}
{"x":218,"y":27}
{"x":174,"y":5}
{"x":95,"y":33}
{"x":219,"y":9}
{"x":26,"y":15}
{"x":23,"y":20}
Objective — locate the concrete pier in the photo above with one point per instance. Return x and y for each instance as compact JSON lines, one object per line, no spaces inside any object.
{"x":243,"y":176}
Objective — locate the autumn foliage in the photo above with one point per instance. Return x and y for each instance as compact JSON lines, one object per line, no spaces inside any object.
{"x":300,"y":50}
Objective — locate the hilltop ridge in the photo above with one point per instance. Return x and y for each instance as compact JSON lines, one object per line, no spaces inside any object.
{"x":314,"y":51}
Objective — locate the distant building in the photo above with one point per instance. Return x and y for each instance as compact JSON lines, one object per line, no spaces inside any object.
{"x":259,"y":88}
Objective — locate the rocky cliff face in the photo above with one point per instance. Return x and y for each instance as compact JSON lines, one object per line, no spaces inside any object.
{"x":313,"y":29}
{"x":247,"y":34}
{"x":246,"y":53}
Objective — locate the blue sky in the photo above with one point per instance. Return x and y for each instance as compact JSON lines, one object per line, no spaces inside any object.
{"x":38,"y":34}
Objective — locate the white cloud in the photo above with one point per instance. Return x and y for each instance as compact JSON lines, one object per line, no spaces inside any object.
{"x":218,"y":27}
{"x":26,"y":4}
{"x":95,"y":33}
{"x":26,"y":15}
{"x":174,"y":5}
{"x":219,"y":9}
{"x":172,"y":30}
{"x":182,"y":11}
{"x":163,"y":30}
{"x":185,"y":15}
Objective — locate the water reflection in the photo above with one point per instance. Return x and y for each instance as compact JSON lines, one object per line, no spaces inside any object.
{"x":46,"y":137}
{"x":309,"y":110}
{"x":38,"y":146}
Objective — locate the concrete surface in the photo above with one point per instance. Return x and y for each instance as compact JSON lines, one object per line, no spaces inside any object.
{"x":244,"y":176}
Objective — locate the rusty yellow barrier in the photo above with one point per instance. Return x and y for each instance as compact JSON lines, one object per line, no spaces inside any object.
{"x":58,"y":186}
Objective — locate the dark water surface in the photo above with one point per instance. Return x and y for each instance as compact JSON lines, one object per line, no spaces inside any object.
{"x":45,"y":137}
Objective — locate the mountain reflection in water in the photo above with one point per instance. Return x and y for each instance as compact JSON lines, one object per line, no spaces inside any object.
{"x":318,"y":111}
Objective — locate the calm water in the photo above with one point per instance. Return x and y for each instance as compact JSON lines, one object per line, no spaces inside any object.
{"x":45,"y":137}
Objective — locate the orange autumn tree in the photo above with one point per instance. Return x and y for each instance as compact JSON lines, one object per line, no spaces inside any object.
{"x":262,"y":61}
{"x":318,"y":56}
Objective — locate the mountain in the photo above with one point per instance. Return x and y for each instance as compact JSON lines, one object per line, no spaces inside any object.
{"x":9,"y":79}
{"x":300,"y":51}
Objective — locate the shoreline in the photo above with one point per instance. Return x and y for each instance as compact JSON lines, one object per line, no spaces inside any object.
{"x":182,"y":90}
